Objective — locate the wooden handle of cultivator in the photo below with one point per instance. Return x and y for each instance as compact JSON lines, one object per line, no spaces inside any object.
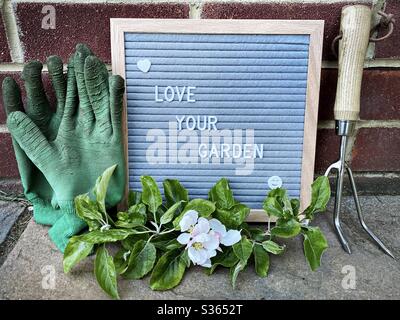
{"x":355,"y":29}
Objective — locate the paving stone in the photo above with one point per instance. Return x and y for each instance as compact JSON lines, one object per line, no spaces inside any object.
{"x":377,"y":275}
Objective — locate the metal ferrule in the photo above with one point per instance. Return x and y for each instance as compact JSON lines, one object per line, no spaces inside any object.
{"x":344,"y":127}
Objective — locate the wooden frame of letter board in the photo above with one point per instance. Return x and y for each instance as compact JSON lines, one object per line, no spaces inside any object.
{"x":313,"y":28}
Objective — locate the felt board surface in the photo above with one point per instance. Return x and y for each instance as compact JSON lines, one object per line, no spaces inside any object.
{"x":245,"y":110}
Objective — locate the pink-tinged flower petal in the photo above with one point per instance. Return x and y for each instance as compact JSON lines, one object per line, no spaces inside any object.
{"x":206,"y":264}
{"x":184,"y":238}
{"x":212,"y":243}
{"x":198,"y":256}
{"x":188,"y":220}
{"x":202,"y":237}
{"x":217,"y":226}
{"x":202,"y":226}
{"x":231,"y":237}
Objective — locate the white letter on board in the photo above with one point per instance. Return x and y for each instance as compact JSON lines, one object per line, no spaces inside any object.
{"x":180,"y":93}
{"x":212,"y":121}
{"x":169,"y":96}
{"x":203,"y":150}
{"x":190,"y":94}
{"x":156,"y":98}
{"x":179,"y":122}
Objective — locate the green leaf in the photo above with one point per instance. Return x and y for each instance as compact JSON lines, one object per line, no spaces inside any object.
{"x":174,"y":192}
{"x":134,"y":197}
{"x":286,"y":229}
{"x":243,"y":249}
{"x":233,"y":217}
{"x":167,"y":245}
{"x":168,"y":271}
{"x":257,"y":234}
{"x":204,"y":207}
{"x":75,"y":251}
{"x":273,"y":247}
{"x":295,"y":206}
{"x":141,"y":260}
{"x":235,"y":270}
{"x":277,"y":203}
{"x":225,"y":259}
{"x":261,"y":260}
{"x":130,"y":241}
{"x":314,"y":245}
{"x":105,"y":272}
{"x":170,"y":213}
{"x":121,"y":260}
{"x":222,"y":195}
{"x":100,"y":188}
{"x":112,"y":235}
{"x":88,"y":211}
{"x":136,"y":216}
{"x":151,"y":195}
{"x":320,"y":195}
{"x":272,"y":207}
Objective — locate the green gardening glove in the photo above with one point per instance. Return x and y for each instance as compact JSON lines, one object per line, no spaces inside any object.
{"x":88,"y":141}
{"x":36,"y":188}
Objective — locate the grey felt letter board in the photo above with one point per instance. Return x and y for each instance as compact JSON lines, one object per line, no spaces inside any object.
{"x":205,"y":105}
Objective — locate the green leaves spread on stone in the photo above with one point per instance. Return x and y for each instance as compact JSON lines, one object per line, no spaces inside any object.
{"x":147,"y":232}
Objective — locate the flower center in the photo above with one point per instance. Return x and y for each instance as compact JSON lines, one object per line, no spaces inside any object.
{"x":191,"y":229}
{"x":198,"y":245}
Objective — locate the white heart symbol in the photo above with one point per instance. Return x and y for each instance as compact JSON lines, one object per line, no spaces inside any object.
{"x":144,"y":65}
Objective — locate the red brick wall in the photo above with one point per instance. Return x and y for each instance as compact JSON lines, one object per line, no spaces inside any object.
{"x":377,"y":144}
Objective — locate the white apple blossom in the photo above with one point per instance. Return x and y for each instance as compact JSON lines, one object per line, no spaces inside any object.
{"x":227,"y":238}
{"x":203,"y":237}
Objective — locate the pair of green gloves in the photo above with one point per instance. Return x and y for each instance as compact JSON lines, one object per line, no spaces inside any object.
{"x":61,"y":151}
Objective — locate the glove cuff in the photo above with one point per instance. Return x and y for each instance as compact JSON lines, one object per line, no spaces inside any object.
{"x":44,"y":213}
{"x":67,"y":226}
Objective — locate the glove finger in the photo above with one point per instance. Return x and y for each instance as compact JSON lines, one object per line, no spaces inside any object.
{"x":37,"y":107}
{"x":85,"y":112}
{"x":55,"y":66}
{"x":12,"y":100}
{"x":71,"y":99}
{"x":30,"y":139}
{"x":117,"y":90}
{"x":96,"y":79}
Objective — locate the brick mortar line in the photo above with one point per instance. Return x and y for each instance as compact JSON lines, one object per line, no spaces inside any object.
{"x":374,"y":64}
{"x":3,"y":128}
{"x":195,"y":10}
{"x":193,"y":1}
{"x":363,"y":124}
{"x":12,"y":32}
